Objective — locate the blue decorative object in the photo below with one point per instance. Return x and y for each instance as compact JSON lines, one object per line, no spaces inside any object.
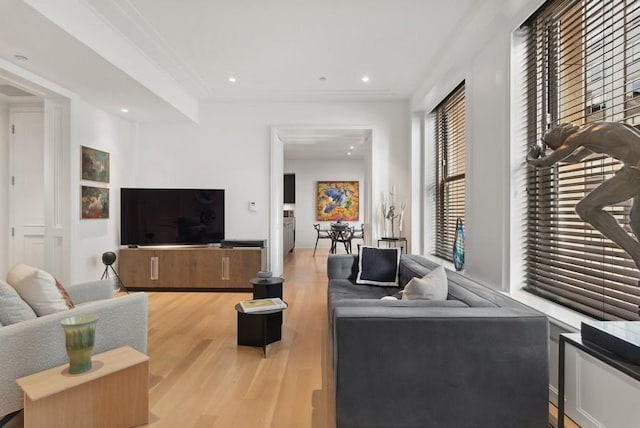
{"x":458,"y":246}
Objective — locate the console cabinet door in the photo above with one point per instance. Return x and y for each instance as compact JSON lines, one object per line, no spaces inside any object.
{"x":206,"y":267}
{"x":244,"y":264}
{"x":136,"y":267}
{"x":173,"y":268}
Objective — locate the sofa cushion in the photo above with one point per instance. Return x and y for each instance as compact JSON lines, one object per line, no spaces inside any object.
{"x":378,"y":266}
{"x":37,"y":288}
{"x":12,"y":308}
{"x":412,"y":266}
{"x":342,"y":289}
{"x":432,"y":286}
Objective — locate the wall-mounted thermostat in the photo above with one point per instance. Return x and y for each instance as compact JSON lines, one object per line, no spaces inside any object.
{"x":252,"y":206}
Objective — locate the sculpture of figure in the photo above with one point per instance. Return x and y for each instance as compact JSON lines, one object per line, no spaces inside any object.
{"x":571,"y":144}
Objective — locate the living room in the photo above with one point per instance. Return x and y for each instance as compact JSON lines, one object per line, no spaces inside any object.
{"x":229,"y":134}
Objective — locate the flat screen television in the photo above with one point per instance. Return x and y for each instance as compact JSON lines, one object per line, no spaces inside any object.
{"x":171,"y":216}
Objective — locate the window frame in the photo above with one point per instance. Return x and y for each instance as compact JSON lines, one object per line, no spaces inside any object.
{"x":566,"y":260}
{"x":450,"y":174}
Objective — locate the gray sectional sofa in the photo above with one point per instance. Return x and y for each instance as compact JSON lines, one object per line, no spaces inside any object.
{"x":477,"y":359}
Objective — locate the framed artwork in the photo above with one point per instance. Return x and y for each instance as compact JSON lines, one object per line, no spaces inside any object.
{"x":95,"y":202}
{"x":95,"y":165}
{"x":338,"y":200}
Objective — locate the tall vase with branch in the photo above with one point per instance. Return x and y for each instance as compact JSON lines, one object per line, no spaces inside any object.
{"x":391,"y":213}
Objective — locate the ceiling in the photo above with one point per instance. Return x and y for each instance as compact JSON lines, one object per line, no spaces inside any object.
{"x":276,"y":49}
{"x":281,"y":48}
{"x":326,"y":143}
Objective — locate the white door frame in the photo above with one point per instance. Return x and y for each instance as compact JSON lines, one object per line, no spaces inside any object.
{"x":277,"y":191}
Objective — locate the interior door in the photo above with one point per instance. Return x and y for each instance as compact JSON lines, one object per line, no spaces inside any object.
{"x":27,"y":190}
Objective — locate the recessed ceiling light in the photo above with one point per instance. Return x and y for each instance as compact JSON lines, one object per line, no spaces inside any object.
{"x":348,"y":153}
{"x":232,"y":79}
{"x":365,"y":79}
{"x":351,"y":148}
{"x":124,"y":110}
{"x":20,"y":57}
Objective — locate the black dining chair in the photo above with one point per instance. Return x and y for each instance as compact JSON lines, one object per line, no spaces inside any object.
{"x":341,"y":233}
{"x":321,"y":234}
{"x":359,"y":233}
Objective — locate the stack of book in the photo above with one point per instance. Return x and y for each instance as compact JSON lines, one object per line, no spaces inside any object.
{"x":262,"y":304}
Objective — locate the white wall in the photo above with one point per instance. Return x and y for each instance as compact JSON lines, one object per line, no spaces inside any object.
{"x":4,"y":190}
{"x":97,"y":129}
{"x":486,"y":69}
{"x":230,"y":149}
{"x":308,"y":173}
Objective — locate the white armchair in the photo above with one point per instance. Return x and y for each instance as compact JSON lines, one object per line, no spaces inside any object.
{"x":31,"y":346}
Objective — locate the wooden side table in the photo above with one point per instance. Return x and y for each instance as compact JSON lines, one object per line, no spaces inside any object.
{"x":114,"y":393}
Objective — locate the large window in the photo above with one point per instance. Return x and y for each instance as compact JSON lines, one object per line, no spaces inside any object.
{"x":450,"y":170}
{"x":583,"y":65}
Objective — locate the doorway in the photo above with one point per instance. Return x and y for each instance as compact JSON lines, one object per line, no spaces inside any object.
{"x":303,"y":136}
{"x":36,"y":191}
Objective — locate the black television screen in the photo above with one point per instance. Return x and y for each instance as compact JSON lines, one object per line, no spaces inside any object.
{"x":171,"y":216}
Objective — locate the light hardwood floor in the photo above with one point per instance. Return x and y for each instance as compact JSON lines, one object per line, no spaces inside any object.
{"x":201,"y":378}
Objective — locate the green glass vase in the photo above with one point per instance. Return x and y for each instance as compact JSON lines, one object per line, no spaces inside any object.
{"x":79,"y":333}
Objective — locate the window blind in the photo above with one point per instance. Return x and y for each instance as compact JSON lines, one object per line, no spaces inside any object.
{"x":582,"y":66}
{"x":450,"y":170}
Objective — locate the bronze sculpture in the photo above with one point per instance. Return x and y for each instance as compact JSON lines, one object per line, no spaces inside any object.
{"x":571,"y":144}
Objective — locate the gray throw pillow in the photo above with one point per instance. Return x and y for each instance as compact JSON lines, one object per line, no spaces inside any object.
{"x":432,"y":286}
{"x":12,"y":308}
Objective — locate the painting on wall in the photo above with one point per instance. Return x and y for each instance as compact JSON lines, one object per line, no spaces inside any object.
{"x":95,"y":202}
{"x":95,"y":165}
{"x":338,"y":200}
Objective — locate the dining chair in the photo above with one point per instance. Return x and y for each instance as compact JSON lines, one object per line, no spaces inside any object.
{"x":359,"y":233}
{"x":321,"y":234}
{"x":341,"y":233}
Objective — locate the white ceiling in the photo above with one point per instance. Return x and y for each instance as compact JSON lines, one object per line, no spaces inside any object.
{"x":280,"y":48}
{"x":277,"y":49}
{"x":327,"y":143}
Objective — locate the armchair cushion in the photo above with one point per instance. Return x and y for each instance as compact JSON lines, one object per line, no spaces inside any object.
{"x":38,"y":288}
{"x":12,"y":308}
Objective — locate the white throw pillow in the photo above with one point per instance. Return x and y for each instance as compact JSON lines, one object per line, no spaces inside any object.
{"x":12,"y":308}
{"x":37,"y":288}
{"x":432,"y":286}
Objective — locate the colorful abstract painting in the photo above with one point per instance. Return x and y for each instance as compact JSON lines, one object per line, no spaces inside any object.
{"x":95,"y":202}
{"x":95,"y":165}
{"x":338,"y":200}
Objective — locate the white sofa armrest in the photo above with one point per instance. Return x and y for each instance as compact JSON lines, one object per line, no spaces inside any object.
{"x":91,"y":290}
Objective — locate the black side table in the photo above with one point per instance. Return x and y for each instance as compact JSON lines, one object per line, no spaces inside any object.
{"x":397,"y":241}
{"x":264,"y":288}
{"x":259,"y":328}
